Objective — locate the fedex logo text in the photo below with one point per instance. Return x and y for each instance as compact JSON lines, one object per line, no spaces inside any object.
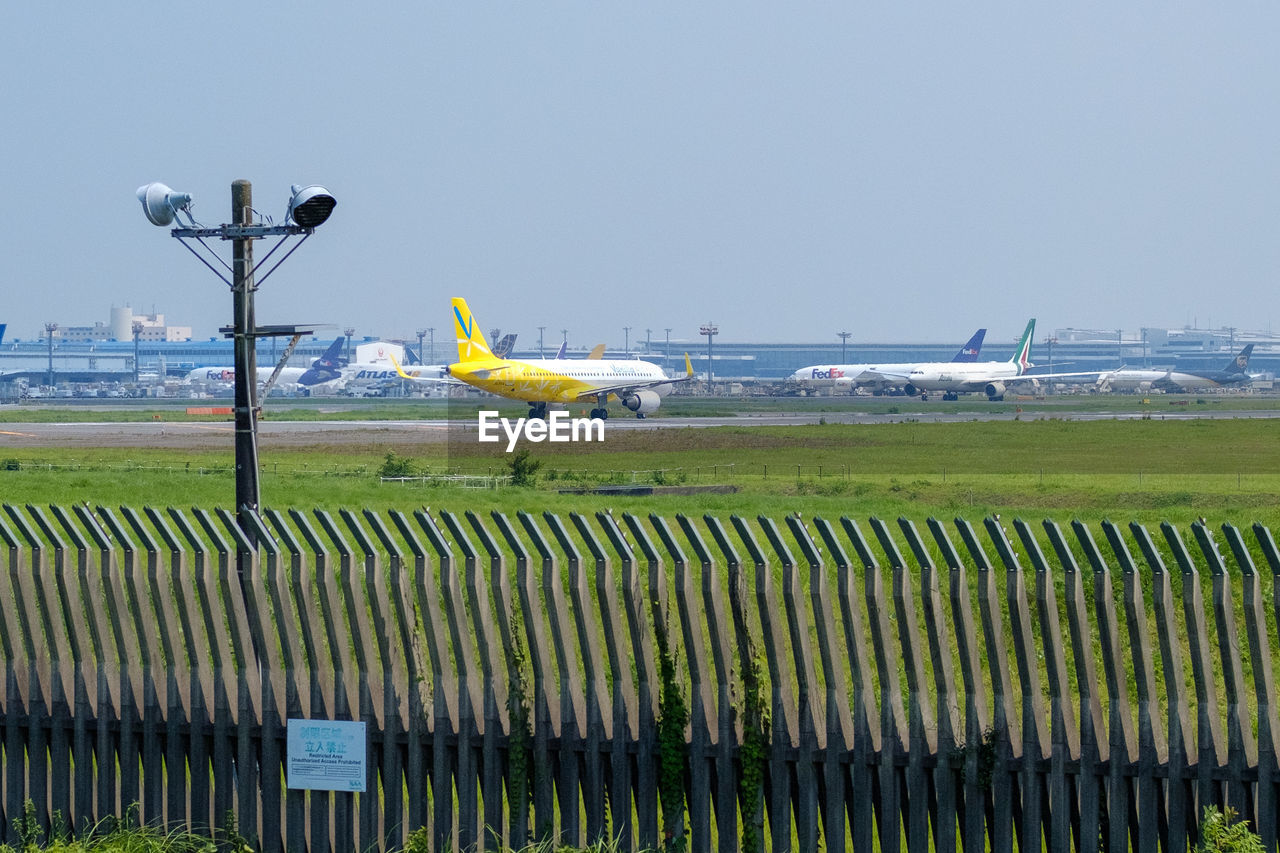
{"x":828,"y":373}
{"x":559,"y":427}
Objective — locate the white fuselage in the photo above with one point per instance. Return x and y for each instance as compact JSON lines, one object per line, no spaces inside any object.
{"x":855,"y":375}
{"x":220,"y":376}
{"x":962,"y":377}
{"x":558,"y":380}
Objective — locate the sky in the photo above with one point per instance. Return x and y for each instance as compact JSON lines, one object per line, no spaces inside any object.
{"x":900,"y":171}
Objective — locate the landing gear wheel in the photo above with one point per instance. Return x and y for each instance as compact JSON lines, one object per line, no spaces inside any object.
{"x":602,"y":414}
{"x":538,"y":411}
{"x":640,"y":414}
{"x":950,"y":396}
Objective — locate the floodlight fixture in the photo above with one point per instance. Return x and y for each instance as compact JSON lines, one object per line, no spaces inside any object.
{"x":161,"y":204}
{"x":310,"y":206}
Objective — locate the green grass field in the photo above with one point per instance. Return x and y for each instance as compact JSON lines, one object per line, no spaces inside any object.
{"x":1224,"y":469}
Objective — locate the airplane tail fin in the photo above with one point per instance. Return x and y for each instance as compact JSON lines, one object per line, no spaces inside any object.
{"x":472,"y":345}
{"x":505,"y":344}
{"x":969,"y":352}
{"x":597,"y":352}
{"x":3,"y":326}
{"x":1022,"y":357}
{"x":332,"y":356}
{"x":564,"y":345}
{"x":1240,"y":364}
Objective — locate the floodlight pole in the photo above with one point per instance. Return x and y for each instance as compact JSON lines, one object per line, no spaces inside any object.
{"x":248,"y":494}
{"x":137,"y":333}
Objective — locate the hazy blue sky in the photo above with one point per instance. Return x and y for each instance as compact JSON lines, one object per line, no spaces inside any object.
{"x":900,"y":170}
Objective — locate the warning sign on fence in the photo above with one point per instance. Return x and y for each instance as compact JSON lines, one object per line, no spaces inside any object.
{"x":326,"y":755}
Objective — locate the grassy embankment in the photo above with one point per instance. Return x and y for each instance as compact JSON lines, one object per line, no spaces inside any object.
{"x":1227,"y":470}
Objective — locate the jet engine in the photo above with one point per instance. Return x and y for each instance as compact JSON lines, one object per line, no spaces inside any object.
{"x":642,"y":402}
{"x":994,"y":390}
{"x":910,"y":390}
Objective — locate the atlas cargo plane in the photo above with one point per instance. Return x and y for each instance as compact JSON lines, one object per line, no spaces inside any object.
{"x":226,"y":376}
{"x":541,"y":382}
{"x":880,"y":375}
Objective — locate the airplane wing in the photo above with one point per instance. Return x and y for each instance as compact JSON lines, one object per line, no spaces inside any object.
{"x":882,"y":376}
{"x":424,"y":378}
{"x":1038,"y":376}
{"x":622,"y":386}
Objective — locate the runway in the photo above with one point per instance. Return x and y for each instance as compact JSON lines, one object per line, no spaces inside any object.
{"x":179,"y":435}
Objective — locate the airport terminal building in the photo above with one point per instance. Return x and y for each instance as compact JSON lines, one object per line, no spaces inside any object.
{"x":156,"y":359}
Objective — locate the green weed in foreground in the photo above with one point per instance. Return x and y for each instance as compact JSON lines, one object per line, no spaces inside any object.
{"x":1223,"y":832}
{"x":119,"y":835}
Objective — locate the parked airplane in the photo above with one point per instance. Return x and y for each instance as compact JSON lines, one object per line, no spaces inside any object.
{"x":879,"y":375}
{"x":1234,"y":374}
{"x":226,"y":376}
{"x":439,"y":372}
{"x":989,"y":377}
{"x":505,"y":344}
{"x":638,"y":385}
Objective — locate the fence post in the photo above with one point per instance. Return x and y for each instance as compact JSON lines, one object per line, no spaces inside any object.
{"x":1119,"y":724}
{"x":444,"y":699}
{"x":212,"y":620}
{"x":977,"y":798}
{"x":84,"y":649}
{"x":785,"y":711}
{"x":257,"y":657}
{"x":1033,"y":741}
{"x":546,"y":701}
{"x":946,"y":707}
{"x":838,"y":736}
{"x":623,"y":695}
{"x":513,"y":716}
{"x":495,"y":689}
{"x":170,"y":786}
{"x":923,"y":728}
{"x":470,"y":707}
{"x":1152,"y":751}
{"x":646,"y":597}
{"x":1269,"y":772}
{"x":196,"y":688}
{"x":49,"y":704}
{"x":1242,"y":752}
{"x":702,"y":718}
{"x":345,"y":701}
{"x":809,"y":734}
{"x":1208,"y":723}
{"x":371,"y":612}
{"x":1005,"y":728}
{"x":411,"y":673}
{"x":1255,"y":621}
{"x":1180,"y":795}
{"x":893,"y":724}
{"x":25,"y":746}
{"x":595,"y":728}
{"x":128,"y":697}
{"x":572,"y":700}
{"x":727,"y":729}
{"x":752,"y":803}
{"x":1065,"y":740}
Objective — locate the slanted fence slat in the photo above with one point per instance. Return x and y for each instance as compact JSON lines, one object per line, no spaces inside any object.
{"x":510,"y":683}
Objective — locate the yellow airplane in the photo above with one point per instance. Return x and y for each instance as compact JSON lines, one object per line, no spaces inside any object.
{"x":638,"y":385}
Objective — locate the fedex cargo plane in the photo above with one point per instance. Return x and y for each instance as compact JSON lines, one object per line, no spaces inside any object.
{"x":880,"y":376}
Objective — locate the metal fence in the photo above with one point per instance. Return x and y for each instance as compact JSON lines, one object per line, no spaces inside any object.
{"x":514,"y":688}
